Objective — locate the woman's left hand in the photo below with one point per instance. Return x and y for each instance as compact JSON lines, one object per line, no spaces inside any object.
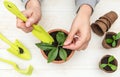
{"x":80,"y":32}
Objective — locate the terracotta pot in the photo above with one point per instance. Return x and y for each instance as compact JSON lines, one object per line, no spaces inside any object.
{"x":99,"y":28}
{"x":103,"y":60}
{"x":60,"y":61}
{"x":109,"y":35}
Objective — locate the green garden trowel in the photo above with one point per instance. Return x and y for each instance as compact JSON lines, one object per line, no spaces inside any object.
{"x":17,"y":48}
{"x":27,"y":71}
{"x":38,"y":31}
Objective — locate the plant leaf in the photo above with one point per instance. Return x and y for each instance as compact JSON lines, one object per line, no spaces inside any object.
{"x":60,"y":37}
{"x":103,"y":65}
{"x":44,"y":46}
{"x":63,"y":54}
{"x":114,"y":43}
{"x":109,"y":41}
{"x":113,"y":67}
{"x":52,"y":54}
{"x":114,"y":37}
{"x":118,"y":36}
{"x":111,"y":58}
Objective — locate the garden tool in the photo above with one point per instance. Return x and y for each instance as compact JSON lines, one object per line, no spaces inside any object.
{"x":17,"y":48}
{"x":27,"y":71}
{"x":37,"y":31}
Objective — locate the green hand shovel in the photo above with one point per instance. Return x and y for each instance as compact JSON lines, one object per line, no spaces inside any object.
{"x":17,"y":48}
{"x":38,"y":31}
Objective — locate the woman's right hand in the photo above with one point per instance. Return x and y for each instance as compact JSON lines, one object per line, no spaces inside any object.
{"x":33,"y":13}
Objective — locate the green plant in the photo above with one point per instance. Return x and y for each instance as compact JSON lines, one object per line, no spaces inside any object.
{"x":113,"y":40}
{"x":110,"y":59}
{"x":55,"y":50}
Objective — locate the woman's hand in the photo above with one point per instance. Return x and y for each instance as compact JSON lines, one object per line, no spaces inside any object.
{"x":80,"y":32}
{"x":33,"y":13}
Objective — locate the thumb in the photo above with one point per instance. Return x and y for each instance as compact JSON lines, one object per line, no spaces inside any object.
{"x":70,"y":36}
{"x":28,"y":14}
{"x":32,"y":20}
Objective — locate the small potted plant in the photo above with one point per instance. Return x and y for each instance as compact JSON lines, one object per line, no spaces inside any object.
{"x":111,"y":40}
{"x":55,"y":52}
{"x":108,"y":64}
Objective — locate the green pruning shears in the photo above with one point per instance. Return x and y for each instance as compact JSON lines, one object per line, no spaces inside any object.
{"x":38,"y":31}
{"x":27,"y":71}
{"x":17,"y":48}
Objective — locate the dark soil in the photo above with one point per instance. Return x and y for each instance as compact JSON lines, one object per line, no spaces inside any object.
{"x":56,"y":44}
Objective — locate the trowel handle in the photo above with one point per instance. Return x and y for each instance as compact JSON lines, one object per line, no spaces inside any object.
{"x":7,"y":61}
{"x":3,"y":38}
{"x":13,"y":9}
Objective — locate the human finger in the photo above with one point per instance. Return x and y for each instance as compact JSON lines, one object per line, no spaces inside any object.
{"x":20,"y":24}
{"x":28,"y":29}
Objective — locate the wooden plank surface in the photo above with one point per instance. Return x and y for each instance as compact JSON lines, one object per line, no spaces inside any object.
{"x":58,"y":14}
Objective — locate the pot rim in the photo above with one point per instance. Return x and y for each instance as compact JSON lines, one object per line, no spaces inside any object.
{"x":61,"y":61}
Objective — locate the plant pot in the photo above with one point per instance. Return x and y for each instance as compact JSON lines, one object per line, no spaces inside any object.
{"x":105,"y":63}
{"x":99,"y":28}
{"x":69,"y":52}
{"x":111,"y":16}
{"x":104,"y":23}
{"x":109,"y":35}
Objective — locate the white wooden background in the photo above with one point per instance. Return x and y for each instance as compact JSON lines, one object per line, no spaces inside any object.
{"x":58,"y":14}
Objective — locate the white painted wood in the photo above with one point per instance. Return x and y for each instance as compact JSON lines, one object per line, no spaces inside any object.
{"x":57,"y":14}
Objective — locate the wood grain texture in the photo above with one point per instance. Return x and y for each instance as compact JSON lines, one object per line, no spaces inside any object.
{"x":58,"y":14}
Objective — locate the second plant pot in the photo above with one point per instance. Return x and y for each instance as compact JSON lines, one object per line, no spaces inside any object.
{"x":55,"y":52}
{"x":111,"y":40}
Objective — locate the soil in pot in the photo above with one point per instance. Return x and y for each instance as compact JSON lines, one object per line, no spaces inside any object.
{"x":108,"y":64}
{"x":53,"y":34}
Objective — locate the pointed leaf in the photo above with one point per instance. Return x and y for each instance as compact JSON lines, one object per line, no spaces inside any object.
{"x":113,"y":67}
{"x":109,"y":41}
{"x":118,"y":36}
{"x":52,"y":55}
{"x":114,"y":44}
{"x":63,"y":54}
{"x":103,"y":65}
{"x":114,"y":37}
{"x":44,"y":46}
{"x":60,"y":38}
{"x":111,"y":58}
